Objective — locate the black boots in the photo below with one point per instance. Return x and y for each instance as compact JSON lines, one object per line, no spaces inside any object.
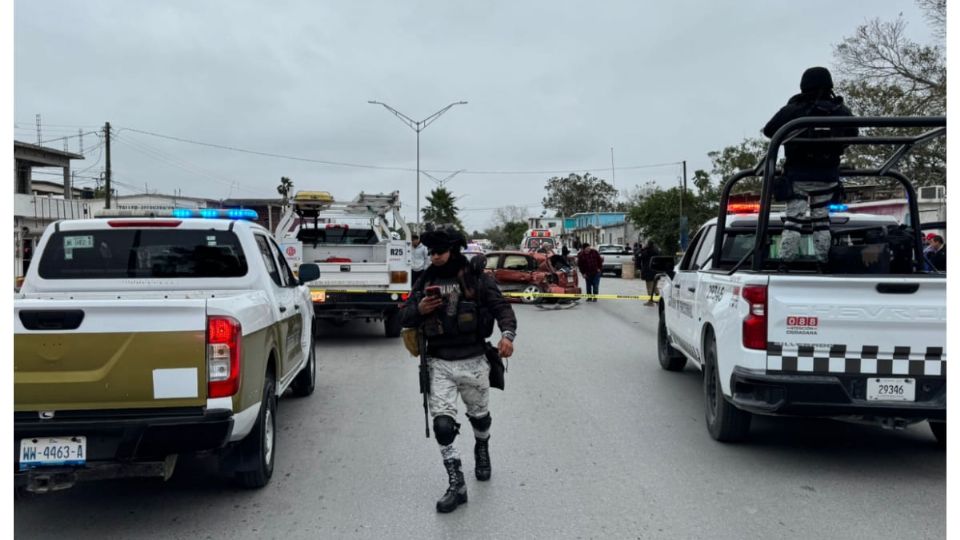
{"x":457,"y":492}
{"x":481,"y":454}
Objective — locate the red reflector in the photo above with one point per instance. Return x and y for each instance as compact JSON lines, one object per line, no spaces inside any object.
{"x":337,"y":260}
{"x":404,"y":296}
{"x":144,"y":223}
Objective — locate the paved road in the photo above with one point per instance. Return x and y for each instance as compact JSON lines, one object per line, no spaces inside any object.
{"x":590,"y":440}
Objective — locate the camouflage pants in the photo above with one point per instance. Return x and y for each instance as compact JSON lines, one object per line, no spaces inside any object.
{"x":470,"y":379}
{"x":810,"y":213}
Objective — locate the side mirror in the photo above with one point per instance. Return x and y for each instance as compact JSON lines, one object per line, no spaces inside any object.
{"x":663,"y":265}
{"x":308,"y":272}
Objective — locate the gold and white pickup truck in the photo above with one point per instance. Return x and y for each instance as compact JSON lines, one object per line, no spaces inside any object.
{"x":138,"y":339}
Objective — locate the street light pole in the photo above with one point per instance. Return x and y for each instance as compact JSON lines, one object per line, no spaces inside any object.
{"x":443,"y":182}
{"x":418,"y":126}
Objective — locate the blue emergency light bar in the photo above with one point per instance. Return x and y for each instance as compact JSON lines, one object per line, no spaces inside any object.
{"x":837,"y":208}
{"x":215,"y":213}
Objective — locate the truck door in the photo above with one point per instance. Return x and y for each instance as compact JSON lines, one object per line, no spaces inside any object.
{"x":684,"y":325}
{"x":286,"y":307}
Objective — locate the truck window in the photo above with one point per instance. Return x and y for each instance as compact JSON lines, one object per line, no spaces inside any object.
{"x":336,"y":235}
{"x":268,"y":260}
{"x":492,"y":261}
{"x":685,"y":262}
{"x":706,"y":248}
{"x":142,"y":253}
{"x":286,"y":274}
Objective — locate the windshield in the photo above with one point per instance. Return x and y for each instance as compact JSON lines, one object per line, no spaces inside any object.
{"x":142,"y":253}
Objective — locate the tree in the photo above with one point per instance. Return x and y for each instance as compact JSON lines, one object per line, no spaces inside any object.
{"x":574,"y":193}
{"x":732,"y":159}
{"x":657,"y":216}
{"x":285,"y":187}
{"x":883,"y":73}
{"x":509,"y":214}
{"x":442,"y":208}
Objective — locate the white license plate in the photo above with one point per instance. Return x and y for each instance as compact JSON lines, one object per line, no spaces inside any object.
{"x":891,"y":389}
{"x":52,"y":451}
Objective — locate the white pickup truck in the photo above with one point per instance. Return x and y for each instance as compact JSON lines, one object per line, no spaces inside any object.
{"x":365,"y":271}
{"x":137,"y":339}
{"x":862,"y":339}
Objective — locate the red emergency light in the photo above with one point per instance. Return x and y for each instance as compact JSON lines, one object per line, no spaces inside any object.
{"x":743,"y":208}
{"x":540,"y":234}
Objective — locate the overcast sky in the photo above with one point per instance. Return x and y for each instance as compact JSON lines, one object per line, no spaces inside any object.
{"x":552,"y":86}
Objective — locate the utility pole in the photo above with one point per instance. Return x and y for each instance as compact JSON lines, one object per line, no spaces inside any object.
{"x":106,"y":134}
{"x":613,"y":169}
{"x":684,"y":177}
{"x":418,"y":127}
{"x":39,"y":140}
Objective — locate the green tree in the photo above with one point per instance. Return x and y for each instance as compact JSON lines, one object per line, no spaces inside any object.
{"x":442,"y":208}
{"x":285,"y":188}
{"x":658,"y":216}
{"x":574,"y":193}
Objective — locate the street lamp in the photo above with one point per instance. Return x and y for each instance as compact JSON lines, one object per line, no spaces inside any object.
{"x":443,"y":182}
{"x":418,"y":127}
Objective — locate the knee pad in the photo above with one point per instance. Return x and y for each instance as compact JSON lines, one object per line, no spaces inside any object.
{"x":445,"y":429}
{"x":482,"y":423}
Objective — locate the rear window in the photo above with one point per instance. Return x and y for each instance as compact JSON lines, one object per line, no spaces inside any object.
{"x":142,"y":253}
{"x":337,"y":235}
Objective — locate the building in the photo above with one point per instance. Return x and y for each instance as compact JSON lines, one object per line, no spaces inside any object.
{"x":36,"y":204}
{"x":268,"y":211}
{"x":600,"y":228}
{"x":152,"y":202}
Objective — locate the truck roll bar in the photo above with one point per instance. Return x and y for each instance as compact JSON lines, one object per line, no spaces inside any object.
{"x":791,"y":132}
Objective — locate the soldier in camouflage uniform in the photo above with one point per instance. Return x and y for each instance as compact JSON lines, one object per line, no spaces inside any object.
{"x":456,"y":324}
{"x":812,"y":169}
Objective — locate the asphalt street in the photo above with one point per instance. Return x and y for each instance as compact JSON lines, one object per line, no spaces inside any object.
{"x":591,"y":439}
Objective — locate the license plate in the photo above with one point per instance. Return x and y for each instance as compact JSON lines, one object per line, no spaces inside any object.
{"x":891,"y":389}
{"x":52,"y":451}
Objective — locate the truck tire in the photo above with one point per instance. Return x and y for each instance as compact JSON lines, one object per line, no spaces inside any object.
{"x":939,"y":430}
{"x":257,"y":448}
{"x":670,"y":358}
{"x":391,"y":324}
{"x":725,"y":422}
{"x":305,"y":381}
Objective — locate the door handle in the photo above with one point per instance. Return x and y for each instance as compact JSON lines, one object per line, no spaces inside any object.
{"x":296,"y":307}
{"x":897,"y":288}
{"x":676,"y":286}
{"x":692,"y":289}
{"x":283,"y":309}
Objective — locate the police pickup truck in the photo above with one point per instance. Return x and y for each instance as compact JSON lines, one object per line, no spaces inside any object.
{"x":137,"y":339}
{"x":863,"y":338}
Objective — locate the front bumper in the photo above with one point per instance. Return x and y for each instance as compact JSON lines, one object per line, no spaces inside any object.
{"x":834,"y":395}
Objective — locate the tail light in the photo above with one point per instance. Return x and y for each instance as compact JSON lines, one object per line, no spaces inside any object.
{"x":223,"y":356}
{"x":755,"y":323}
{"x":398,"y":277}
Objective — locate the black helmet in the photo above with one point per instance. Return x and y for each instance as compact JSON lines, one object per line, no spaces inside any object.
{"x":816,"y":78}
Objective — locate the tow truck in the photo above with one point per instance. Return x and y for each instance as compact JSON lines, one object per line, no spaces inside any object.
{"x":364,"y":269}
{"x":863,"y":339}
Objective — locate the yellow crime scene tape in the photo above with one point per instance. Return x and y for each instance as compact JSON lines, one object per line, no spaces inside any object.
{"x":319,"y":295}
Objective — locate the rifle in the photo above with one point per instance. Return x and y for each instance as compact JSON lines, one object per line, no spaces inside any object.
{"x":424,"y":381}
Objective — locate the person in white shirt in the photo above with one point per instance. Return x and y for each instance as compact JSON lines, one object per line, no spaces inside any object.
{"x":419,"y":258}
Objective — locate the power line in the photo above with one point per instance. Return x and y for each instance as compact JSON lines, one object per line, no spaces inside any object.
{"x":385,"y":168}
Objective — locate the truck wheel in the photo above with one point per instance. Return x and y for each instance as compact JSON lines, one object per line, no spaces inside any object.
{"x":257,"y":448}
{"x":670,"y":358}
{"x":391,"y":324}
{"x":725,"y":422}
{"x":306,"y":380}
{"x":939,"y":430}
